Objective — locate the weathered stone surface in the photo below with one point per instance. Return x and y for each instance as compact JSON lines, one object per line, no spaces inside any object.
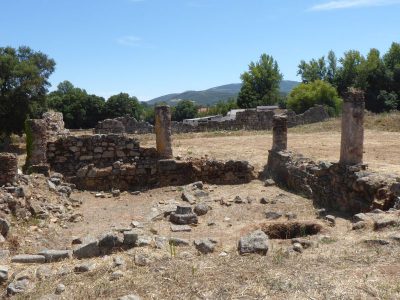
{"x":205,"y":246}
{"x":255,"y":242}
{"x":178,"y":241}
{"x":279,"y":132}
{"x":163,"y":131}
{"x":130,"y":237}
{"x":85,"y":267}
{"x":180,"y":228}
{"x":201,"y":209}
{"x":273,"y":215}
{"x":298,"y":247}
{"x":359,"y":225}
{"x":28,"y":259}
{"x":183,"y":210}
{"x":188,"y":197}
{"x":89,"y":248}
{"x":142,"y":260}
{"x":143,"y":241}
{"x":3,"y":274}
{"x":17,"y":287}
{"x":110,"y":240}
{"x":184,"y":219}
{"x":55,"y":255}
{"x":4,"y":227}
{"x":8,"y":168}
{"x":60,"y":289}
{"x":130,"y":297}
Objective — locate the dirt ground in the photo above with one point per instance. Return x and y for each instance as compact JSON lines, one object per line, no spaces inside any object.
{"x":339,"y":265}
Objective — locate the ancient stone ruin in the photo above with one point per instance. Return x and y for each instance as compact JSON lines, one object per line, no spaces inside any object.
{"x":245,"y":120}
{"x":346,"y":185}
{"x":8,"y":168}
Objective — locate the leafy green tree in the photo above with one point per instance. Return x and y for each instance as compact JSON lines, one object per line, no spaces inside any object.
{"x":319,"y":69}
{"x":306,"y":95}
{"x":346,"y":75}
{"x":24,"y":77}
{"x":390,"y":100}
{"x":392,"y":63}
{"x":220,"y":108}
{"x":121,"y":105}
{"x":80,"y":110}
{"x":260,"y":83}
{"x":372,"y":78}
{"x":185,"y":109}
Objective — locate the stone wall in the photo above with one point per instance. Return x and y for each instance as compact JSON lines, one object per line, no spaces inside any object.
{"x":55,"y":124}
{"x":124,"y":124}
{"x":104,"y":162}
{"x":8,"y":168}
{"x":246,"y":120}
{"x":333,"y":185}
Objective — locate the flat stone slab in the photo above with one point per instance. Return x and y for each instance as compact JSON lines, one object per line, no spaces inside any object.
{"x":180,"y":228}
{"x":55,"y":255}
{"x":28,"y":259}
{"x":183,"y":219}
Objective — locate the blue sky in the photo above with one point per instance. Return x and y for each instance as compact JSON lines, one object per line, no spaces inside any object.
{"x":153,"y":47}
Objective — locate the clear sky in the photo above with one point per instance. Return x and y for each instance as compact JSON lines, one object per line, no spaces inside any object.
{"x":149,"y":48}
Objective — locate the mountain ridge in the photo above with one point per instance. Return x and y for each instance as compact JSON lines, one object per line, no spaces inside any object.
{"x":212,"y":95}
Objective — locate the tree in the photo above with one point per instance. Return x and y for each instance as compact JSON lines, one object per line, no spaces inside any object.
{"x":260,"y":83}
{"x":185,"y":109}
{"x":392,"y":63}
{"x":80,"y":110}
{"x":24,"y":77}
{"x":346,"y":75}
{"x":320,"y":69}
{"x":306,"y":95}
{"x":121,"y":105}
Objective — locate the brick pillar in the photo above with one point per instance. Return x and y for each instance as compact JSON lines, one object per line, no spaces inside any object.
{"x":351,"y":150}
{"x":163,"y":131}
{"x":8,"y":168}
{"x":36,"y":142}
{"x":279,"y":131}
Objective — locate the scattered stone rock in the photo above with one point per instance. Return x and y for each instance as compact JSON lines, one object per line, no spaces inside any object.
{"x":43,"y":272}
{"x":255,"y":242}
{"x":290,"y":216}
{"x":160,"y":242}
{"x":116,"y":193}
{"x":178,"y":242}
{"x":321,"y":213}
{"x":205,"y":246}
{"x":28,"y":259}
{"x":3,"y":274}
{"x":60,"y":289}
{"x":272,"y":215}
{"x":183,"y":219}
{"x":4,"y":227}
{"x":142,"y":260}
{"x":188,"y":197}
{"x":110,"y":240}
{"x":264,"y":200}
{"x":396,"y":237}
{"x":136,"y":224}
{"x":305,"y":243}
{"x":17,"y":287}
{"x":180,"y":228}
{"x":269,"y":182}
{"x":201,"y":209}
{"x":239,"y":200}
{"x":118,"y":261}
{"x":298,"y":247}
{"x":116,"y":275}
{"x":331,"y":220}
{"x":85,"y":267}
{"x":130,"y":237}
{"x":90,"y":248}
{"x":360,"y":217}
{"x":143,"y":241}
{"x":359,"y":225}
{"x":55,"y":255}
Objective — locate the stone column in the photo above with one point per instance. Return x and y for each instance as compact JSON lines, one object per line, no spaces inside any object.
{"x":8,"y":168}
{"x":163,"y":131}
{"x":279,"y":132}
{"x":351,"y":150}
{"x":36,"y":142}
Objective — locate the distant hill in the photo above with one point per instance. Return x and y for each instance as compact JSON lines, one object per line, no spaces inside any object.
{"x":213,"y":95}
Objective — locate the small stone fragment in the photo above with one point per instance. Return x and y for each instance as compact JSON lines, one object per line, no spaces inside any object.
{"x":60,"y":289}
{"x":201,"y":209}
{"x":269,"y":182}
{"x":359,"y":225}
{"x":255,"y":242}
{"x":298,"y":247}
{"x":28,"y":259}
{"x":272,"y":215}
{"x":85,"y":267}
{"x":205,"y":246}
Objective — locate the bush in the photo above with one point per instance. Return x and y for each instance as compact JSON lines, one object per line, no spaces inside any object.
{"x":307,"y":95}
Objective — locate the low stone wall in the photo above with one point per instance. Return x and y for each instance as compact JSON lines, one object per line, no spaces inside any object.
{"x":124,"y":124}
{"x":105,"y":162}
{"x":332,"y":185}
{"x":8,"y":168}
{"x":246,"y":120}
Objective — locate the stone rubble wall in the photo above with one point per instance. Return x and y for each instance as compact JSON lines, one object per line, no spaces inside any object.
{"x":105,"y":162}
{"x":246,"y":120}
{"x":351,"y":189}
{"x":8,"y":168}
